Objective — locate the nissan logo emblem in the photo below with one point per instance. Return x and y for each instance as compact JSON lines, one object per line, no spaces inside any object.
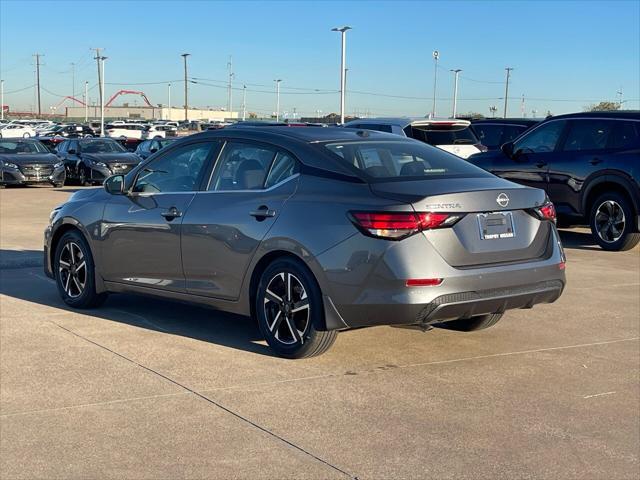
{"x":503,"y":200}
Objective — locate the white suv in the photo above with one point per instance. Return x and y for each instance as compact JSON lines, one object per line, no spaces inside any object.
{"x":452,"y":135}
{"x":125,"y":130}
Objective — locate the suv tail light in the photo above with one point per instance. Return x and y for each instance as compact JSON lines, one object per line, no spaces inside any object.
{"x":546,"y":212}
{"x":399,"y":225}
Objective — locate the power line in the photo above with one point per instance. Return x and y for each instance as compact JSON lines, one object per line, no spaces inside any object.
{"x":20,"y":89}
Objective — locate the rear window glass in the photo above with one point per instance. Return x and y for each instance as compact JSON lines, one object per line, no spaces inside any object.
{"x":434,"y":135}
{"x":625,"y":135}
{"x":494,"y":135}
{"x":387,"y":161}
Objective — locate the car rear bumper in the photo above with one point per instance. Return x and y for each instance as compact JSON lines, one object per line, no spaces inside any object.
{"x":453,"y":306}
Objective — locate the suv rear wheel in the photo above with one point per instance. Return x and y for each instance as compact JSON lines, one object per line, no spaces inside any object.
{"x":611,"y":222}
{"x":288,"y":305}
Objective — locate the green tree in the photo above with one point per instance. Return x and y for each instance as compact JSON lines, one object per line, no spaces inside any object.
{"x":603,"y":107}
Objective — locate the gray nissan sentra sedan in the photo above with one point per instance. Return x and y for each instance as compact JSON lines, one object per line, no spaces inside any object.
{"x":311,"y":231}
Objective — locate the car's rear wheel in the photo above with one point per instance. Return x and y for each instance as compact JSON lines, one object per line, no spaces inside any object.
{"x":75,"y":272}
{"x":611,"y":222}
{"x":479,"y":322}
{"x":288,"y":306}
{"x":26,"y":135}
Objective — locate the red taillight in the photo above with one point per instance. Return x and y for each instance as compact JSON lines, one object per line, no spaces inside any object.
{"x":424,"y":282}
{"x":547,"y":212}
{"x":398,"y":225}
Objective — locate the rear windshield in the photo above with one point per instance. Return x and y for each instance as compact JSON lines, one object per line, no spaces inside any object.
{"x":403,"y":160}
{"x":445,"y":135}
{"x":494,"y":135}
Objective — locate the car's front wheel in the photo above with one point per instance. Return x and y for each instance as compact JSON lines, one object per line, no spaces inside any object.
{"x":75,"y":272}
{"x":611,"y":222}
{"x":288,"y":306}
{"x":83,"y":176}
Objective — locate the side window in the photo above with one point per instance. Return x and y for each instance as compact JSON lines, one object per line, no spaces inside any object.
{"x":284,"y":166}
{"x":510,"y":132}
{"x":74,"y":145}
{"x":62,"y":148}
{"x":542,"y":139}
{"x":489,"y":135}
{"x":179,"y":170}
{"x":588,"y":135}
{"x":241,"y":166}
{"x":625,"y":135}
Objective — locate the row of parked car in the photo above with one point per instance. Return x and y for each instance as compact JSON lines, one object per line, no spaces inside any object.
{"x":588,"y":163}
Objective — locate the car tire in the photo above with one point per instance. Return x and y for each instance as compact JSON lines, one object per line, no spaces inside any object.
{"x":611,"y":220}
{"x":83,"y":176}
{"x":288,"y":307}
{"x":479,"y":322}
{"x":26,"y":135}
{"x":74,"y":272}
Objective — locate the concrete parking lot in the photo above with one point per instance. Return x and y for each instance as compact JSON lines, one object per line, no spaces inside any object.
{"x":144,"y":388}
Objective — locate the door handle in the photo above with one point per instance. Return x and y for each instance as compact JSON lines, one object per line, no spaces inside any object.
{"x":263,"y":212}
{"x":541,"y":164}
{"x":172,"y":213}
{"x":595,"y":161}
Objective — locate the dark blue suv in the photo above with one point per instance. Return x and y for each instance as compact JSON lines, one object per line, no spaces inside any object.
{"x":589,"y":165}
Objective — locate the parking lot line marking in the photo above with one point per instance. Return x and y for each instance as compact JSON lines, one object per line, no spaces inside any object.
{"x":598,"y":394}
{"x":211,"y":401}
{"x":95,"y":404}
{"x":437,"y":362}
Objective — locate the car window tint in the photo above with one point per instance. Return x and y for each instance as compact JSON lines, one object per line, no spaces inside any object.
{"x":625,"y":135}
{"x":242,"y":167}
{"x":511,"y":132}
{"x":179,"y":170}
{"x":588,"y":135}
{"x":542,"y":139}
{"x":489,"y":135}
{"x":284,"y":166}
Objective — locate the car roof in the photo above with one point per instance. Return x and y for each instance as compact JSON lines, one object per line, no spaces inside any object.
{"x":404,"y":121}
{"x":628,"y":114}
{"x":508,"y":121}
{"x":303,"y":134}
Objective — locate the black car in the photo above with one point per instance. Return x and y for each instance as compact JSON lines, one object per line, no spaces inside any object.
{"x":589,"y":164}
{"x":69,"y":131}
{"x":91,"y":160}
{"x":494,"y":132}
{"x":148,"y":147}
{"x":26,"y":161}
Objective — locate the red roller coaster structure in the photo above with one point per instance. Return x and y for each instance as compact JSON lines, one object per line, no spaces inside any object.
{"x":68,"y":97}
{"x":128,"y":92}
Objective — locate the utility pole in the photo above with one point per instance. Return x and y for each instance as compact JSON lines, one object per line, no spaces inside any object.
{"x":102,"y":133}
{"x":343,"y":68}
{"x":522,"y":109}
{"x":86,"y":101}
{"x":97,"y":59}
{"x":436,"y":56}
{"x":73,"y":79}
{"x":186,"y":92}
{"x":620,"y":93}
{"x":506,"y":91}
{"x":230,"y":85}
{"x":455,"y":92}
{"x":278,"y":99}
{"x":244,"y":102}
{"x":1,"y":99}
{"x":38,"y":55}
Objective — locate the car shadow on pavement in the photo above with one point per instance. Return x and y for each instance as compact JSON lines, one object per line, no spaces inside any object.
{"x":574,"y":239}
{"x":174,"y":318}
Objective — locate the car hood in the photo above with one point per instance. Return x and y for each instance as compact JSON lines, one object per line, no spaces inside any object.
{"x":125,"y":157}
{"x":26,"y":159}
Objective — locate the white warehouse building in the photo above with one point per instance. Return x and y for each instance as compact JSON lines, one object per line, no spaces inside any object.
{"x":148,"y":113}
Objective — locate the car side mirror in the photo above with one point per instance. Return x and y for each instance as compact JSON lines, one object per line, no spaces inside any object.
{"x":507,"y":149}
{"x":153,"y":150}
{"x":114,"y":185}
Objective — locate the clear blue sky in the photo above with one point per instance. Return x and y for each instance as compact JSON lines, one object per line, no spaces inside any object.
{"x":565,"y":55}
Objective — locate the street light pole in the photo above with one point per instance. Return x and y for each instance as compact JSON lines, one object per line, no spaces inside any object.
{"x":244,"y":103}
{"x":169,"y":101}
{"x":1,"y":99}
{"x":86,"y":101}
{"x":436,"y":56}
{"x":186,"y":94}
{"x":506,"y":91}
{"x":343,"y":73}
{"x":278,"y":99}
{"x":455,"y":92}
